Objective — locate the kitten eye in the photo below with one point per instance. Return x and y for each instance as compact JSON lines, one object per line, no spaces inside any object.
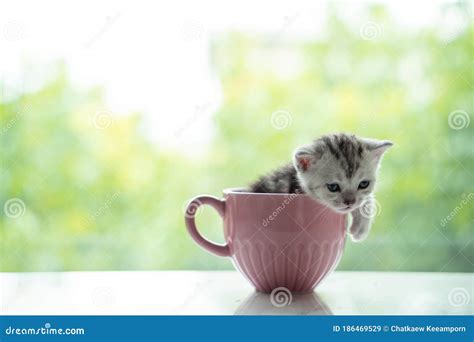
{"x":333,"y":187}
{"x":364,"y":184}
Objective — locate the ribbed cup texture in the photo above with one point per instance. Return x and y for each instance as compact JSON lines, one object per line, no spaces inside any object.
{"x":299,"y":266}
{"x":275,"y":240}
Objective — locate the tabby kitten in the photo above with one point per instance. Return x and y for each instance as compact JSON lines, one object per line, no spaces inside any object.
{"x":338,"y":170}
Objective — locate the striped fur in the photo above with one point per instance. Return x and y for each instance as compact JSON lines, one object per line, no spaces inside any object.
{"x":347,"y":149}
{"x":282,"y":180}
{"x":342,"y":159}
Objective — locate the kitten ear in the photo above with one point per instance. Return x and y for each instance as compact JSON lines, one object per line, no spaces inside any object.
{"x":377,"y":147}
{"x":305,"y":156}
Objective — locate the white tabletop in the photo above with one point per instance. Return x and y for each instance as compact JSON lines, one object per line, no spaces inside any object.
{"x":228,"y":293}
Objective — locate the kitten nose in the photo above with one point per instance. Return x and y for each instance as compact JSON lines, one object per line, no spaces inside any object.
{"x":349,"y":200}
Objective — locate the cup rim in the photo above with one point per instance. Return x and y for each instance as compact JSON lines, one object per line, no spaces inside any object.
{"x":242,"y":191}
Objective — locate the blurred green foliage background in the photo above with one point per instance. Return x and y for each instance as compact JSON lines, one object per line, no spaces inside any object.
{"x":109,"y":199}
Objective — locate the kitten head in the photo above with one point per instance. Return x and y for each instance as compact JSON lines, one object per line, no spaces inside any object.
{"x":339,"y":169}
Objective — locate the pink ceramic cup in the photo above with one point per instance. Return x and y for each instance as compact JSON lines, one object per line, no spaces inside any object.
{"x":275,"y":240}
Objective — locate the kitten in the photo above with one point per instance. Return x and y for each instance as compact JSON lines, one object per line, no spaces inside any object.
{"x":338,"y":170}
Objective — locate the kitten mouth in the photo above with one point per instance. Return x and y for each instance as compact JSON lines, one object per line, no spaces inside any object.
{"x":346,"y":209}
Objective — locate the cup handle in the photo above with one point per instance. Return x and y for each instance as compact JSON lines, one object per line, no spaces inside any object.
{"x":191,"y":209}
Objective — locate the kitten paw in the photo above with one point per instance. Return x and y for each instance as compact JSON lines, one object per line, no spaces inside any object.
{"x":359,"y":235}
{"x":359,"y":231}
